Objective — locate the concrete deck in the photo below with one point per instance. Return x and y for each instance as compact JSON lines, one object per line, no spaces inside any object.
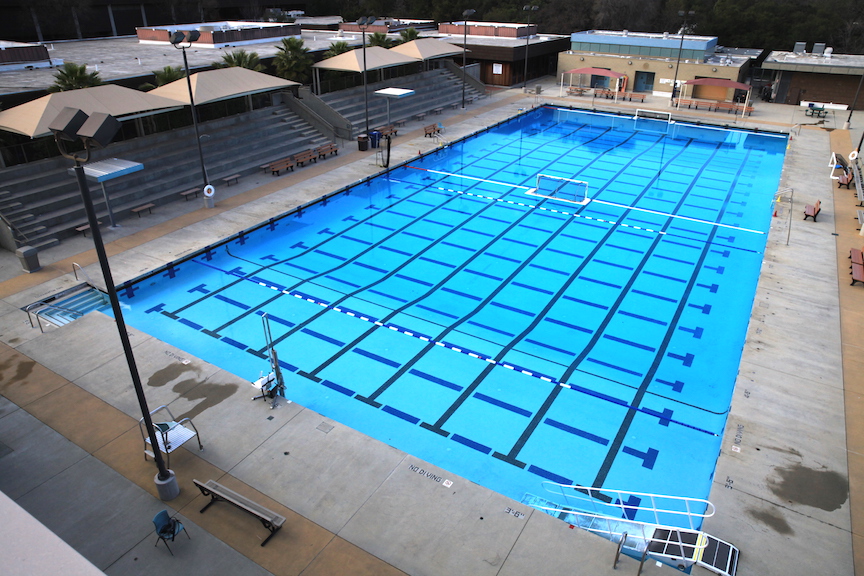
{"x":788,"y":485}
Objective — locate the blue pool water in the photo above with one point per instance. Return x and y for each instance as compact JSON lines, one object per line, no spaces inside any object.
{"x":507,"y":338}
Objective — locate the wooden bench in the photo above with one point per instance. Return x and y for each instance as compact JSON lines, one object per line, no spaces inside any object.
{"x":279,"y":165}
{"x":191,"y":191}
{"x":437,"y":111}
{"x":306,"y":156}
{"x":83,"y":229}
{"x":389,"y":130}
{"x":812,"y":211}
{"x":454,"y":105}
{"x":857,"y":274}
{"x":631,"y":95}
{"x":742,"y":108}
{"x":325,"y":149}
{"x":856,"y":256}
{"x":431,"y":129}
{"x":401,"y":122}
{"x":577,"y":91}
{"x":232,"y":178}
{"x":139,"y":209}
{"x":271,"y":520}
{"x":845,"y":179}
{"x":420,"y":116}
{"x":729,"y":107}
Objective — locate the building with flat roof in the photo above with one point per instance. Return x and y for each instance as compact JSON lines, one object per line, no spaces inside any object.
{"x":816,"y":76}
{"x":222,"y":34}
{"x":652,"y":62}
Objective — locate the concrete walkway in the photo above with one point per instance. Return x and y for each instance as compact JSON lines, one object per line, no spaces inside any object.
{"x":71,"y":451}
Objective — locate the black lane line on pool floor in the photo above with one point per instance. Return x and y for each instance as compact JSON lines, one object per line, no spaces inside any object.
{"x":335,"y":268}
{"x":613,"y":451}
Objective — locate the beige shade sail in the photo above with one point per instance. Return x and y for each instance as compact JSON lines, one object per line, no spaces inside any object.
{"x":427,"y":48}
{"x":221,"y":84}
{"x":376,"y":58}
{"x":32,"y":119}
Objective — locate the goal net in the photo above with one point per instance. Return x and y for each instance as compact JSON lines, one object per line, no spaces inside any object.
{"x":564,"y":189}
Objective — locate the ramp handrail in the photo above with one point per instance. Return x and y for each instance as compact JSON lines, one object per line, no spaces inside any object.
{"x":605,"y":502}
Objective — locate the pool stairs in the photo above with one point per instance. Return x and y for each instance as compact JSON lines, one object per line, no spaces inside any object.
{"x":644,"y":525}
{"x":66,"y":306}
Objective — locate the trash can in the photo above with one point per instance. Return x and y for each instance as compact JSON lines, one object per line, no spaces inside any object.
{"x":362,"y":142}
{"x":375,"y":138}
{"x":29,"y":258}
{"x":539,"y":89}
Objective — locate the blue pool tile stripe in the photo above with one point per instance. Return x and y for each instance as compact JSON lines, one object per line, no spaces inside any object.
{"x":322,"y":337}
{"x":234,"y":343}
{"x":471,"y":444}
{"x":550,"y":347}
{"x":400,"y":414}
{"x":191,"y":324}
{"x":490,"y":328}
{"x":436,"y":311}
{"x":337,"y":387}
{"x":502,"y":404}
{"x":231,"y":301}
{"x":568,"y":325}
{"x":543,"y":473}
{"x":576,"y":431}
{"x":629,"y":343}
{"x":376,"y":357}
{"x":436,"y":380}
{"x":512,"y":308}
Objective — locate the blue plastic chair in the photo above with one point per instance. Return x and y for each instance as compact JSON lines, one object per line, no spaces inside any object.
{"x":167,"y":527}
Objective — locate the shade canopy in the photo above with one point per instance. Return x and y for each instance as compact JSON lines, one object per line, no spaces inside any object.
{"x":376,"y":58}
{"x":221,"y":84}
{"x":427,"y":48}
{"x":32,"y":118}
{"x":596,"y":72}
{"x":718,"y":82}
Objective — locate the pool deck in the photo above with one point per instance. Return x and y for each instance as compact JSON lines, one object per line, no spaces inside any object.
{"x":789,"y":486}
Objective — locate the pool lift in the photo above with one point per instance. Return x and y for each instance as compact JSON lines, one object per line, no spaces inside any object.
{"x":272,"y":385}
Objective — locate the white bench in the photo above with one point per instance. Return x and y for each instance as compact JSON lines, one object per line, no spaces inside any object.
{"x":271,"y":520}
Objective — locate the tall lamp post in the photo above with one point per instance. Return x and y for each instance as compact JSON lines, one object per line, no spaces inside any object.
{"x":182,"y":39}
{"x":854,"y":103}
{"x":528,"y":8}
{"x":364,"y":23}
{"x":680,"y":48}
{"x":98,"y":130}
{"x":465,"y":16}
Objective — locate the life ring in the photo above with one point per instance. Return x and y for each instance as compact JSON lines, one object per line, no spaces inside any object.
{"x":853,"y":155}
{"x":209,"y":191}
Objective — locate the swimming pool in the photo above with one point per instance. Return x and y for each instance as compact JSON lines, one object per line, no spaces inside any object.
{"x":507,"y":338}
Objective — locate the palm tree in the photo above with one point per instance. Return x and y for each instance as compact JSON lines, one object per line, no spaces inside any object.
{"x":165,"y":76}
{"x":380,"y":39}
{"x":409,"y":34}
{"x":337,"y":48}
{"x":72,"y":77}
{"x":293,"y":61}
{"x":242,"y":59}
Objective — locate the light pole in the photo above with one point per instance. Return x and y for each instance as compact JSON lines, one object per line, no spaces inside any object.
{"x":182,"y":39}
{"x":98,"y":130}
{"x":465,"y":16}
{"x":528,"y":8}
{"x":364,"y":23}
{"x":680,"y":48}
{"x":854,"y":103}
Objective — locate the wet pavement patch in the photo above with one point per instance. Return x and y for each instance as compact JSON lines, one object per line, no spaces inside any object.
{"x":824,"y":489}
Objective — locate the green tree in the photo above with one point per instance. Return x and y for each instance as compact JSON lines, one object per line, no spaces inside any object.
{"x":165,"y":76}
{"x":293,"y":61}
{"x":72,"y":77}
{"x":408,"y":35}
{"x":380,"y":39}
{"x":337,"y":48}
{"x":241,"y":59}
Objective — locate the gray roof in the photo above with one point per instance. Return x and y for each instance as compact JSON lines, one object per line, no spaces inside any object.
{"x":845,"y":64}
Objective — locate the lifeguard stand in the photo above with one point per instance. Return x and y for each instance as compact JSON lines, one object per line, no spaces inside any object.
{"x":170,"y":434}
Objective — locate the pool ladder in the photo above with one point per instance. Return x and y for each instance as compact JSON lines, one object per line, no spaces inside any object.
{"x":613,"y":515}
